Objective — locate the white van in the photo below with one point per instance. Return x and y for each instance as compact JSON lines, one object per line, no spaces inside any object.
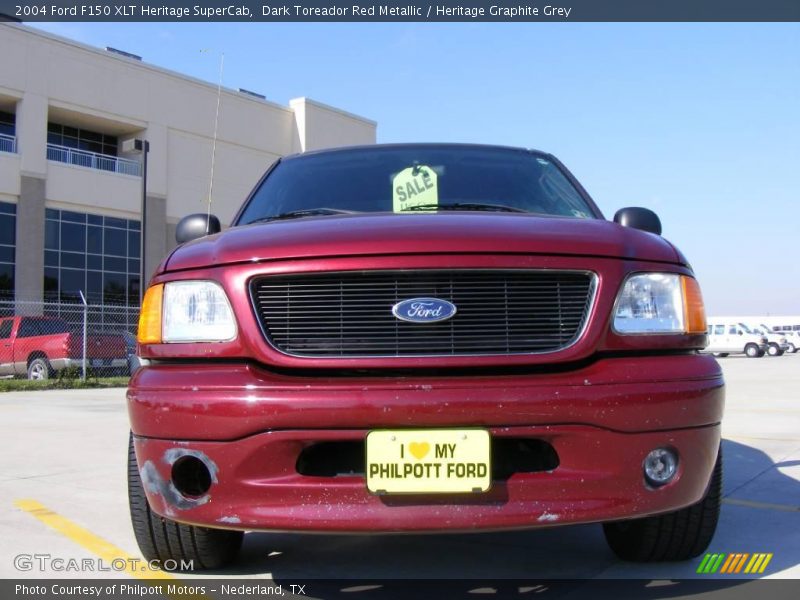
{"x":726,"y":338}
{"x":777,"y":343}
{"x":792,"y":335}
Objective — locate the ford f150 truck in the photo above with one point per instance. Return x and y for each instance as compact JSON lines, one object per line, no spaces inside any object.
{"x":38,"y":347}
{"x":423,"y":338}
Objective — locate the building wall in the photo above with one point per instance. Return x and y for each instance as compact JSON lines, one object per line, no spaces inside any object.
{"x":45,"y":78}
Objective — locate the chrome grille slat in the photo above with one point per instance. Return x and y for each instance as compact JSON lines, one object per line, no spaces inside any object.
{"x":348,"y":314}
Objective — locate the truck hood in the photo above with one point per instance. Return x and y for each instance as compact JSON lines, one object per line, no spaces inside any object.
{"x":387,"y":233}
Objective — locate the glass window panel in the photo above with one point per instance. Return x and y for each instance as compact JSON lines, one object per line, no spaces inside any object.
{"x":114,"y":264}
{"x":91,"y":147}
{"x":6,"y":279}
{"x":133,"y":290}
{"x":54,"y":127}
{"x":114,"y":242}
{"x":69,"y":142}
{"x":8,"y":208}
{"x":114,"y":222}
{"x":50,"y":258}
{"x":133,"y":266}
{"x":91,"y":136}
{"x":73,"y":260}
{"x":94,"y":219}
{"x":135,"y":225}
{"x":51,"y":213}
{"x":94,"y":284}
{"x":7,"y":254}
{"x":51,"y":236}
{"x":114,"y":287}
{"x":8,"y":229}
{"x":75,"y":217}
{"x":94,"y":240}
{"x":72,"y":281}
{"x":94,"y":262}
{"x":73,"y":237}
{"x":134,"y":243}
{"x":50,"y":280}
{"x":71,"y":131}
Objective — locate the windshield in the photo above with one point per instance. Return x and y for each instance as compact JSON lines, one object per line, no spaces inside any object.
{"x":418,"y":179}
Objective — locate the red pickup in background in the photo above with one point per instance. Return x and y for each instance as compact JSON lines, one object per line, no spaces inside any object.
{"x":38,"y":347}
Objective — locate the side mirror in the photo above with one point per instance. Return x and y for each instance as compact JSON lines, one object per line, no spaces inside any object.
{"x":196,"y":226}
{"x":639,"y":218}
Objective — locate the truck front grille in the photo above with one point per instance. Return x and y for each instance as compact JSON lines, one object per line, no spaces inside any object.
{"x":349,"y":314}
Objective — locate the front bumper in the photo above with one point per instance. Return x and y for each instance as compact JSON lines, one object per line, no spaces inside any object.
{"x":250,"y":425}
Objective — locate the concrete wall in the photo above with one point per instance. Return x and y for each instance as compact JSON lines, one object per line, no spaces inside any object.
{"x":9,"y":176}
{"x":322,"y":126}
{"x":29,"y":275}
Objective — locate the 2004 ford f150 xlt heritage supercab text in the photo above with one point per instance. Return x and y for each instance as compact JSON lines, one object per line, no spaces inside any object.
{"x":423,"y":338}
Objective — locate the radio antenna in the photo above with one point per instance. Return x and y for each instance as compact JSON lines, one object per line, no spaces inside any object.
{"x":214,"y":142}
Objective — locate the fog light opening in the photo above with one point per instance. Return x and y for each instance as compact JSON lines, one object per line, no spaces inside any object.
{"x":191,"y":476}
{"x":660,"y":466}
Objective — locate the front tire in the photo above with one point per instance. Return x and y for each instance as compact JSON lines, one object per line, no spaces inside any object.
{"x":678,"y":535}
{"x":774,"y":350}
{"x":753,"y":351}
{"x":163,"y":539}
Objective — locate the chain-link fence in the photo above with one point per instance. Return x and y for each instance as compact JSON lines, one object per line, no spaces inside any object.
{"x":70,"y":336}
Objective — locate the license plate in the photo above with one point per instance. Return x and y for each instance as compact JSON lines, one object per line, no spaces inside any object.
{"x":428,"y":461}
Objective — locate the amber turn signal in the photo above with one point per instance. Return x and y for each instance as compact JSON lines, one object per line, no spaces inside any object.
{"x":150,"y":317}
{"x":694,"y":311}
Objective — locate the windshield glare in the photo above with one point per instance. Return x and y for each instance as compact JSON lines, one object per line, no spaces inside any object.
{"x":397,"y":179}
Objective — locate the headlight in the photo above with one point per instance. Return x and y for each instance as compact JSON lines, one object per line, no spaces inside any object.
{"x":660,"y":303}
{"x":186,"y":311}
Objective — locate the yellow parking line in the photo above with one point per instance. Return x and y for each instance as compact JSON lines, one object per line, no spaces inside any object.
{"x":94,"y":544}
{"x":767,"y":505}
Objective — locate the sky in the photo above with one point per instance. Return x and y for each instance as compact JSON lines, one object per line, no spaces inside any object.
{"x":699,"y":122}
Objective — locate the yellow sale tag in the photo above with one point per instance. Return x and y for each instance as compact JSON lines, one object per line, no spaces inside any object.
{"x":415,"y":186}
{"x":426,"y":461}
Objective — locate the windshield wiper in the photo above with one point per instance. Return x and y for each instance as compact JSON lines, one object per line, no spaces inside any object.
{"x":304,"y":212}
{"x":465,"y":206}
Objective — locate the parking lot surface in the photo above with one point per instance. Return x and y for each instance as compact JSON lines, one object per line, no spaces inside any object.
{"x":63,"y":493}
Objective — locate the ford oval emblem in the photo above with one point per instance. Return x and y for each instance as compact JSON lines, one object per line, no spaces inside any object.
{"x":424,"y":310}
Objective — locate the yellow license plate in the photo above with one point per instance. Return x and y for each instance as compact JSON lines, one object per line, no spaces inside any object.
{"x":428,"y":461}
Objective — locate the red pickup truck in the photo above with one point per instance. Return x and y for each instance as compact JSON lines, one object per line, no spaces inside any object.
{"x":38,"y":347}
{"x":423,"y":338}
